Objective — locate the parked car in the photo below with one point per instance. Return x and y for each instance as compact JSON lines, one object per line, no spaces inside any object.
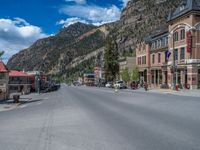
{"x":109,"y":84}
{"x":120,"y":85}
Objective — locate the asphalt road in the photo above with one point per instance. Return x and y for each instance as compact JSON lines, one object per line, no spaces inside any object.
{"x":81,"y":118}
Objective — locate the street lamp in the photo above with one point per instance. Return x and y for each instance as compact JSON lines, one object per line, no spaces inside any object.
{"x":171,"y":35}
{"x":38,"y":82}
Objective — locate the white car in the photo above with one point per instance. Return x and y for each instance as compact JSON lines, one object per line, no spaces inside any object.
{"x":109,"y":85}
{"x":120,"y":84}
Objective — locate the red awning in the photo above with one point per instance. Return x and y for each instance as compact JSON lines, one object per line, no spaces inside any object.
{"x":14,"y":73}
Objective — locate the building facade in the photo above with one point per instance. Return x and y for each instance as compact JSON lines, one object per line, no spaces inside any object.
{"x":19,"y":82}
{"x":173,"y":55}
{"x":127,"y":62}
{"x":4,"y":79}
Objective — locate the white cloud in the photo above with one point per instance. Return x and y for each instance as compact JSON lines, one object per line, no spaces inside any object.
{"x":71,"y":21}
{"x":124,"y":2}
{"x":93,"y":14}
{"x":17,"y":34}
{"x":80,"y":2}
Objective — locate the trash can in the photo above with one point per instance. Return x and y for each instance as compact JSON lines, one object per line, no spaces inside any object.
{"x":16,"y":98}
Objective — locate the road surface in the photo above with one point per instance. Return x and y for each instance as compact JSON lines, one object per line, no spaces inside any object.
{"x":82,"y":118}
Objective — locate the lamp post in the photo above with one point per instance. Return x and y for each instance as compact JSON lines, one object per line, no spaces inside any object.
{"x":38,"y":82}
{"x":174,"y":62}
{"x":171,"y":35}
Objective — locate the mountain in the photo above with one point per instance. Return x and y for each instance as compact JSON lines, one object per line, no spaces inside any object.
{"x":139,"y":18}
{"x":73,"y":49}
{"x":52,"y":54}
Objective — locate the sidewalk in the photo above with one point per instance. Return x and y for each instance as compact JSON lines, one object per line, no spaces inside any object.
{"x":191,"y":93}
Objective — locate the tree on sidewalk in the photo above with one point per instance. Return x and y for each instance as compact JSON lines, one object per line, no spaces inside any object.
{"x":111,"y":56}
{"x":135,"y":74}
{"x":125,"y":75}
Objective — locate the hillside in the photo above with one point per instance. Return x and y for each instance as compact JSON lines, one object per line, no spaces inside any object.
{"x":53,"y":54}
{"x":138,"y":19}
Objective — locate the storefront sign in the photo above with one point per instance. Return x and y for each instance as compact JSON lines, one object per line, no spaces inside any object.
{"x":189,"y":41}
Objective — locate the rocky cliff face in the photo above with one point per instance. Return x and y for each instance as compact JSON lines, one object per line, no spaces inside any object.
{"x":139,"y":18}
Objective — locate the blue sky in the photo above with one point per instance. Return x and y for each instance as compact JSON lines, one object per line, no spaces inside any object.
{"x":22,"y":22}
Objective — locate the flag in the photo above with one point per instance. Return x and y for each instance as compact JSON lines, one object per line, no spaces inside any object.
{"x":167,"y":54}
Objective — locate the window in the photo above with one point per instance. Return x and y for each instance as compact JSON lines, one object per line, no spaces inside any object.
{"x":139,"y":60}
{"x":153,"y":46}
{"x":144,"y":60}
{"x":2,"y":75}
{"x":159,"y":57}
{"x":175,"y":36}
{"x":182,"y":34}
{"x":166,"y":42}
{"x":153,"y":59}
{"x":176,"y":54}
{"x":163,"y":41}
{"x":156,"y":44}
{"x":182,"y":55}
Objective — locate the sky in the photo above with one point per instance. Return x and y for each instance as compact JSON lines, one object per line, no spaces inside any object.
{"x":22,"y":22}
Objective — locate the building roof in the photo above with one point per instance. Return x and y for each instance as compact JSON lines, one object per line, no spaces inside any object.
{"x":157,"y":33}
{"x":15,"y":73}
{"x":3,"y":67}
{"x":185,"y":7}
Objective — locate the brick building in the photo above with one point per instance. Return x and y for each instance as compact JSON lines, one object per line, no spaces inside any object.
{"x":171,"y":55}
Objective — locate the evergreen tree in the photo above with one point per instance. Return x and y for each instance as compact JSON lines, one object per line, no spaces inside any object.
{"x":1,"y":54}
{"x":111,"y":56}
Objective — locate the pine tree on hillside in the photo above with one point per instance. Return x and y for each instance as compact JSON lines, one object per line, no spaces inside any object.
{"x":111,"y":56}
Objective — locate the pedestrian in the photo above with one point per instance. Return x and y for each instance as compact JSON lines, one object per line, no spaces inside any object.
{"x":145,"y":86}
{"x":116,"y":88}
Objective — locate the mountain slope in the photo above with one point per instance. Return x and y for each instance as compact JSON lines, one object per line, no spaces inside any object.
{"x":138,"y":19}
{"x":59,"y":50}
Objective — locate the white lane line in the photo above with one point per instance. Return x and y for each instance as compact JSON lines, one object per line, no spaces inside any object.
{"x":23,"y":106}
{"x":38,"y":103}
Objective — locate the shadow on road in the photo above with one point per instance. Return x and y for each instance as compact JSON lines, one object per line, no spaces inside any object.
{"x":21,"y":101}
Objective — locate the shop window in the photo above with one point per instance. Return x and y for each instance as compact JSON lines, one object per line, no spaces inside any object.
{"x":182,"y":34}
{"x":182,"y":55}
